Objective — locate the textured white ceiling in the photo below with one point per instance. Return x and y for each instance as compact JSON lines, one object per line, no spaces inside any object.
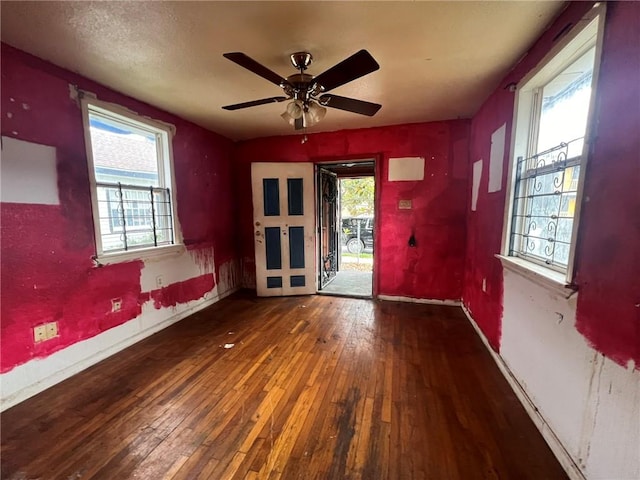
{"x":438,"y":60}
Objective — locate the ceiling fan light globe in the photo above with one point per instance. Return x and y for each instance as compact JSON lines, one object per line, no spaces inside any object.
{"x":288,"y":118}
{"x":309,"y":121}
{"x":295,"y":109}
{"x":315,"y":114}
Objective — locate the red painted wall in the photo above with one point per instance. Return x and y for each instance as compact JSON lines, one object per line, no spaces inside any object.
{"x":47,"y":272}
{"x":607,"y":251}
{"x":434,"y":268}
{"x":608,"y":269}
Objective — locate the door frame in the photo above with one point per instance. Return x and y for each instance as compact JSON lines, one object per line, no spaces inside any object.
{"x":319,"y":171}
{"x":377,"y":158}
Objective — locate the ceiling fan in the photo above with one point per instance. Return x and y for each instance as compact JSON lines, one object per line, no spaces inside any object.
{"x":308,"y":92}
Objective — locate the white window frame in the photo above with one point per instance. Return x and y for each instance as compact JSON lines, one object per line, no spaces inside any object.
{"x":570,"y":47}
{"x":165,"y":133}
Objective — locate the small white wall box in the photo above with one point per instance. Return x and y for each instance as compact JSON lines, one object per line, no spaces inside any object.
{"x":406,"y":169}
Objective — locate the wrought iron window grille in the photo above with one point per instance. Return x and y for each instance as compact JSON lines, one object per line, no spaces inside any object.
{"x":546,"y":187}
{"x":134,"y":216}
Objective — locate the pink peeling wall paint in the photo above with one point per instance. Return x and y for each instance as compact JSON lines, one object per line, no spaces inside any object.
{"x":484,"y":226}
{"x":608,"y":264}
{"x":47,"y":272}
{"x":183,"y":292}
{"x":607,"y":252}
{"x":434,"y":268}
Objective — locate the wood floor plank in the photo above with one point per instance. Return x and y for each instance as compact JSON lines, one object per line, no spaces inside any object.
{"x":313,"y":387}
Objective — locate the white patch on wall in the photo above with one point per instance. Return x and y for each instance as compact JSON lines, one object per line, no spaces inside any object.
{"x":406,"y":169}
{"x":28,"y":172}
{"x":588,"y":402}
{"x":162,"y":271}
{"x":496,"y":159}
{"x":475,"y":186}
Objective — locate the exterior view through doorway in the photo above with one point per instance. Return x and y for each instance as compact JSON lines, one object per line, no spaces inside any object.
{"x":346,"y":213}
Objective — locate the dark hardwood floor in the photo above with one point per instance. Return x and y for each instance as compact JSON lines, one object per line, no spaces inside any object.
{"x":314,"y":387}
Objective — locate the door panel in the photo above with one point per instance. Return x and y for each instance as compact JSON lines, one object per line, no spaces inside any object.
{"x":296,"y":247}
{"x":273,"y":248}
{"x":283,"y":221}
{"x":271,"y":196}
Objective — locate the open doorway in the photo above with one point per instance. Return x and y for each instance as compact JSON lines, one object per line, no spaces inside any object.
{"x":346,"y":212}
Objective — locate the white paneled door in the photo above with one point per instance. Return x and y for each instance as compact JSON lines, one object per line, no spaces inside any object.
{"x":283,"y":228}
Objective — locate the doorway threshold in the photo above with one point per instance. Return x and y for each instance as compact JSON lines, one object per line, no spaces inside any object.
{"x":350,"y":284}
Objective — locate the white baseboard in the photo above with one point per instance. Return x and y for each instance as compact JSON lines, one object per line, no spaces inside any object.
{"x":35,"y":376}
{"x":563,"y":456}
{"x":393,"y":298}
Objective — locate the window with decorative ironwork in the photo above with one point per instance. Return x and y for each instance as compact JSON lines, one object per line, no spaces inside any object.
{"x":552,"y":114}
{"x":130,"y":163}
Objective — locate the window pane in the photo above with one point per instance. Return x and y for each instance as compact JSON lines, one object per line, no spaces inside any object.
{"x":545,"y":206}
{"x":122,"y":153}
{"x":130,"y":171}
{"x":548,"y":183}
{"x":162,"y":210}
{"x":561,"y":254}
{"x":551,"y":123}
{"x":565,"y":106}
{"x":128,"y":218}
{"x":564,"y":229}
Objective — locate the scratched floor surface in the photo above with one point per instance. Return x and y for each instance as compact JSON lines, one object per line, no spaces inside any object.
{"x":314,"y":387}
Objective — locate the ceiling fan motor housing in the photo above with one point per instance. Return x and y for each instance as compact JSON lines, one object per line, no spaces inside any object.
{"x":298,"y":86}
{"x":301,"y":60}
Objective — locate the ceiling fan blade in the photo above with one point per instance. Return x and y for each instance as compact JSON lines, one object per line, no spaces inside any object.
{"x":299,"y":123}
{"x":357,"y":65}
{"x":238,"y":106}
{"x":250,"y":64}
{"x":350,"y":104}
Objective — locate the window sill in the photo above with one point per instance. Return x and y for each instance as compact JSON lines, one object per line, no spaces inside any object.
{"x":551,"y":280}
{"x":140,"y":254}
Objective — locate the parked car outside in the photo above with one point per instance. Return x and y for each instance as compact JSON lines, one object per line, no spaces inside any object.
{"x":350,"y":233}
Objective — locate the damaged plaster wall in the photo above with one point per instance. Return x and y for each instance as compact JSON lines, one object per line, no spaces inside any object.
{"x":577,"y":360}
{"x":48,"y":240}
{"x":431,"y":269}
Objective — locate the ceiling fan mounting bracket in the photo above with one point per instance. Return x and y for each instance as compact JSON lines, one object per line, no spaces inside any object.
{"x":301,"y":60}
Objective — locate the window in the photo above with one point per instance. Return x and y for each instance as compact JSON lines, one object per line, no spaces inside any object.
{"x":131,"y":171}
{"x":550,"y":131}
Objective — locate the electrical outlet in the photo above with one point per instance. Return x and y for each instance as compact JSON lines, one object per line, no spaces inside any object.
{"x":51,"y":329}
{"x":39,"y":333}
{"x":159,"y":281}
{"x":116,"y":305}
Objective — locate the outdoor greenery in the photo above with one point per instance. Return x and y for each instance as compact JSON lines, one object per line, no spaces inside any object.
{"x":356,"y":195}
{"x":357,"y":255}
